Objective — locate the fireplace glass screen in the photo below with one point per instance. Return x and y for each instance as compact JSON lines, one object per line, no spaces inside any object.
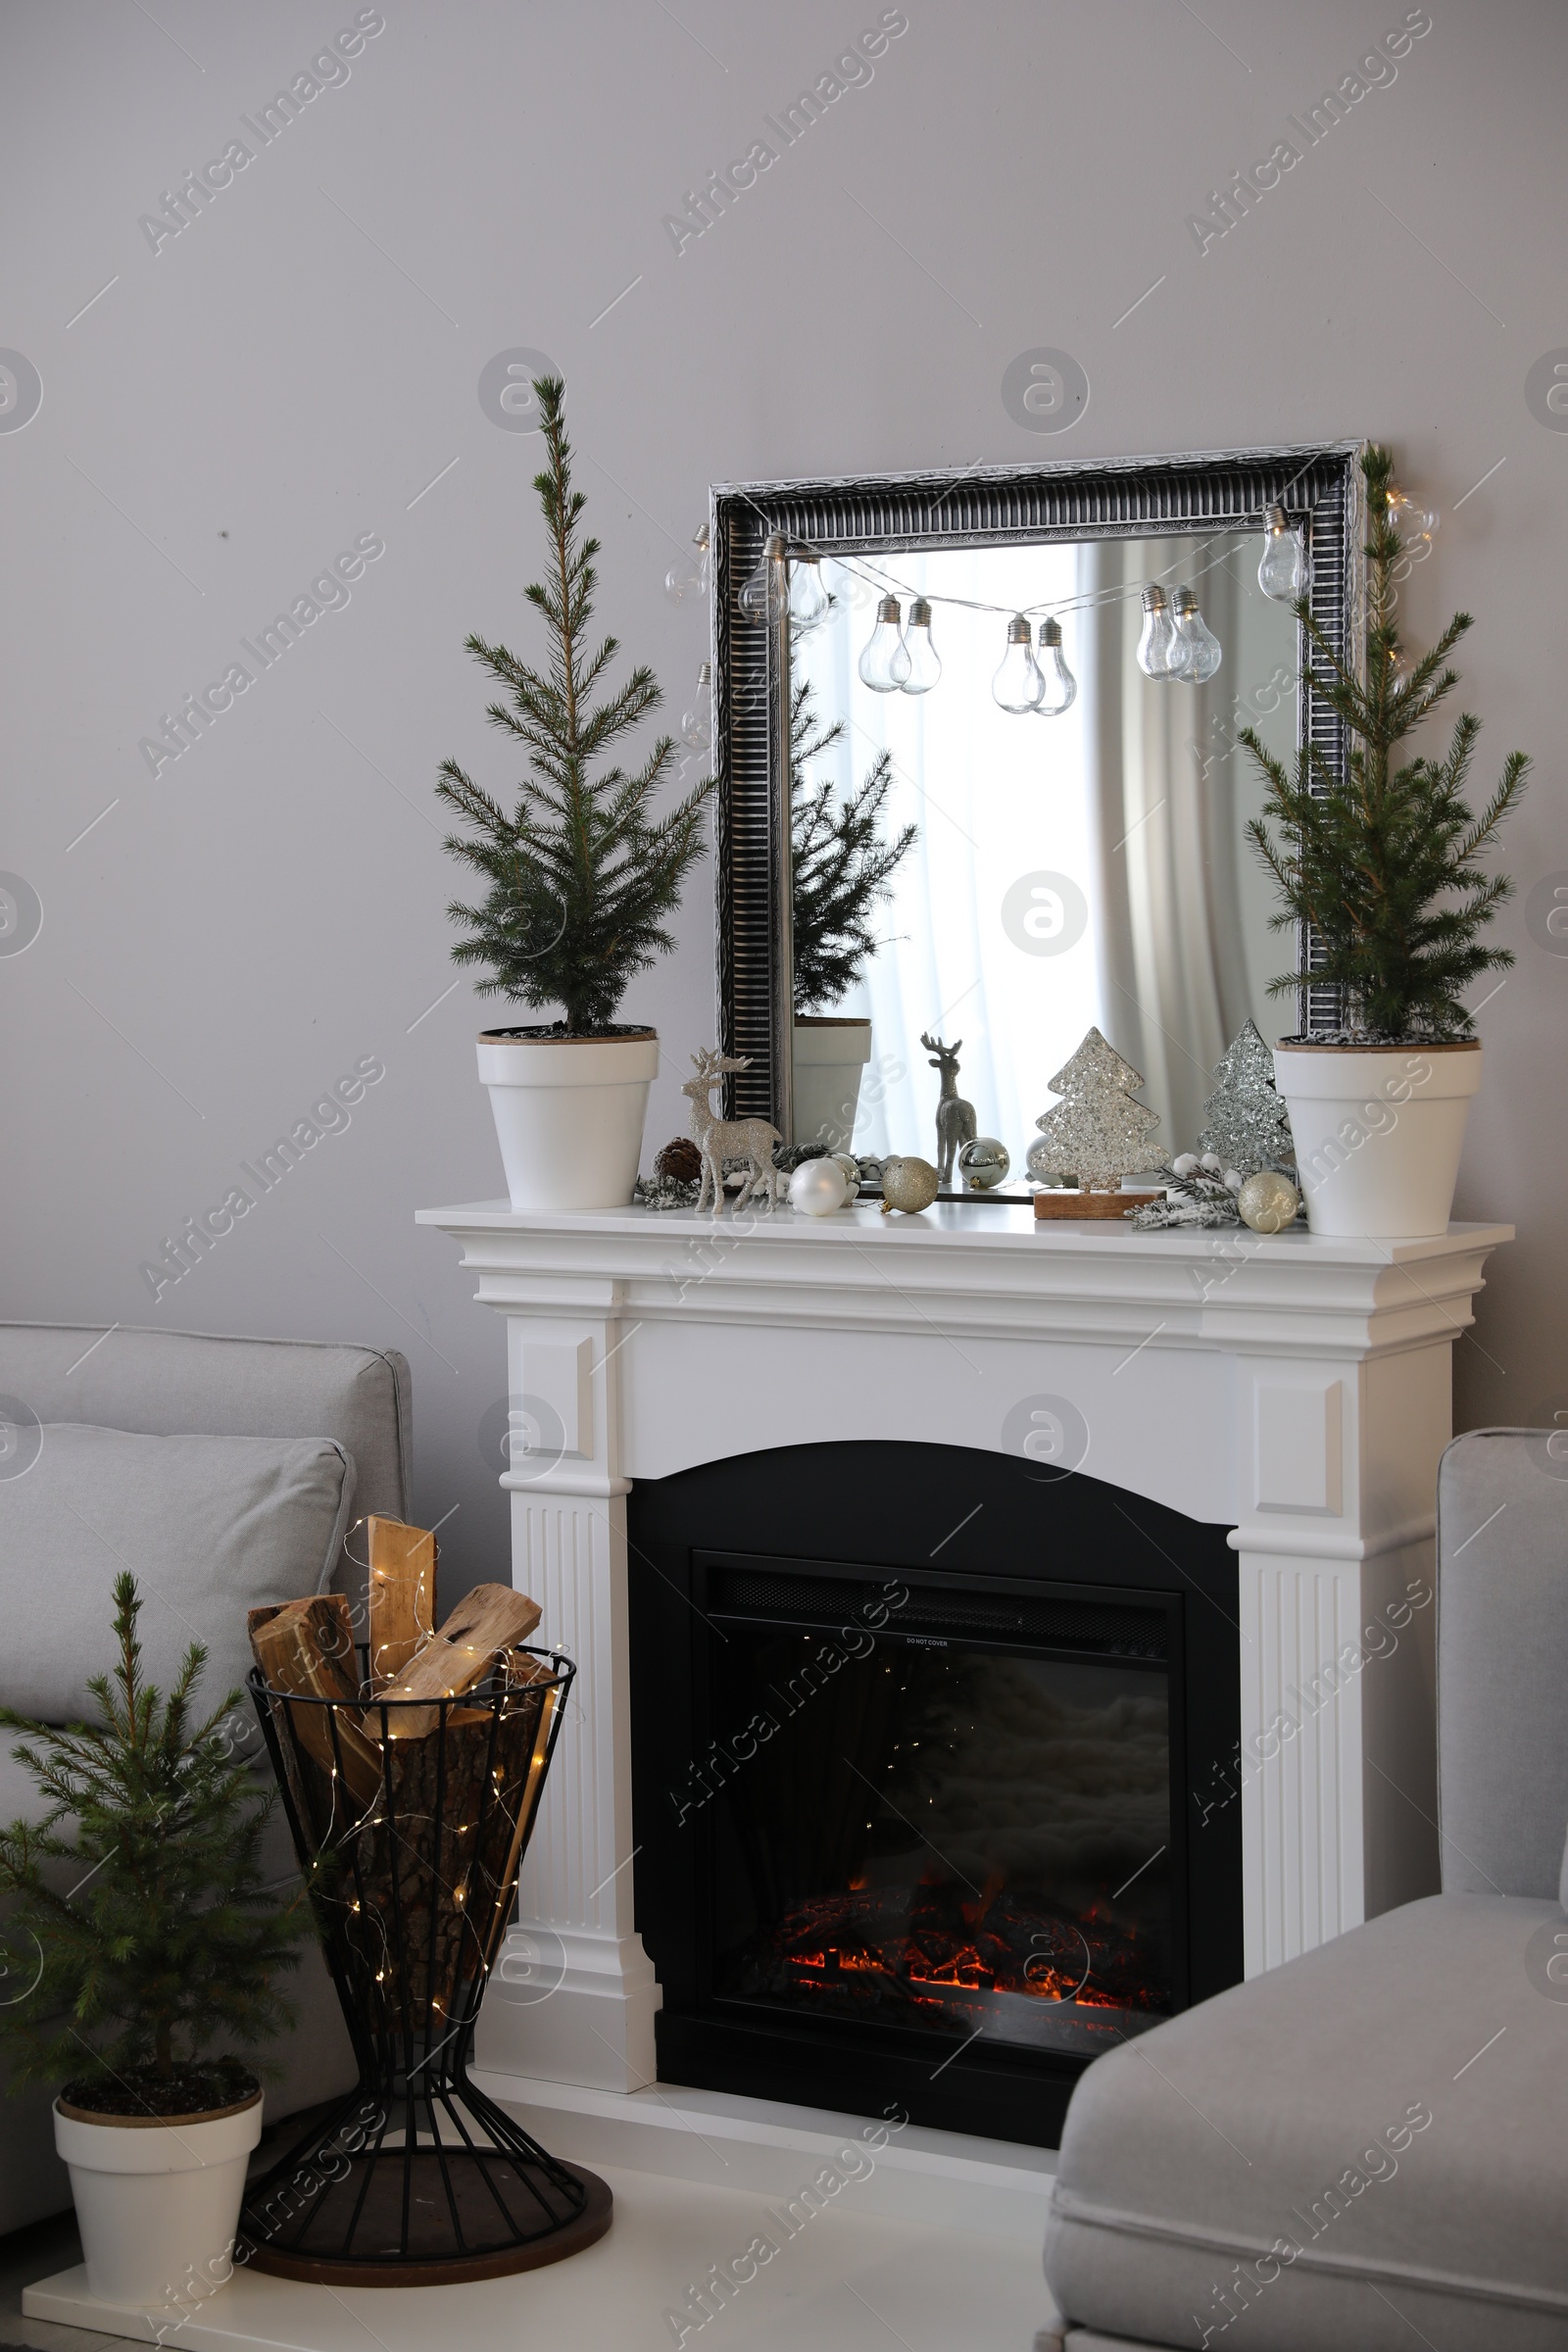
{"x":944,"y":1811}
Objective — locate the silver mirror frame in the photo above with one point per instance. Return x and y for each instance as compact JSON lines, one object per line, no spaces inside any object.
{"x":1320,"y":489}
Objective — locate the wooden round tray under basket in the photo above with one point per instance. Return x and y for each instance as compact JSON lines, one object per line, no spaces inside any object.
{"x":411,"y":1818}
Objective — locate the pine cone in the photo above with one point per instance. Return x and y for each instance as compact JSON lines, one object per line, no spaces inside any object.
{"x":681,"y":1160}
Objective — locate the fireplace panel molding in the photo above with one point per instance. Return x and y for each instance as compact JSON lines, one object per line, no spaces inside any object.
{"x":1176,"y":1355}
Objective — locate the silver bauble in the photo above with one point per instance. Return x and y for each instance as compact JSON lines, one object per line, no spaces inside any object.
{"x":1268,"y":1201}
{"x":1039,"y":1160}
{"x":909,"y":1185}
{"x":851,"y":1171}
{"x":982,"y":1164}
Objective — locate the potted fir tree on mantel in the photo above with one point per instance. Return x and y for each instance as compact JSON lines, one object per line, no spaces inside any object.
{"x":1384,"y":862}
{"x":582,"y":878}
{"x":140,"y":1940}
{"x":841,"y":866}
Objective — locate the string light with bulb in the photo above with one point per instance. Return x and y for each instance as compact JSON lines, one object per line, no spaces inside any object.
{"x":1282,"y":573}
{"x":1157,"y":644}
{"x":1058,"y":686}
{"x":697,"y":723}
{"x":925,"y":664}
{"x":1175,"y":647}
{"x":809,"y":598}
{"x":884,"y":665}
{"x":1018,"y":685}
{"x":765,"y":597}
{"x":1196,"y":652}
{"x":688,"y":576}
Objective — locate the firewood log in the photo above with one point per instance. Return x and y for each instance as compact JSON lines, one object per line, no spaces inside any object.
{"x":305,"y":1650}
{"x":402,"y":1591}
{"x":489,"y":1620}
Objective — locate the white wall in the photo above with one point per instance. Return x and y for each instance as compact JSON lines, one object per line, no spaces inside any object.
{"x":286,"y":374}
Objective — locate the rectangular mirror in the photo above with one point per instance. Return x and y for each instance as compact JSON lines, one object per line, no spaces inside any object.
{"x":909,"y":868}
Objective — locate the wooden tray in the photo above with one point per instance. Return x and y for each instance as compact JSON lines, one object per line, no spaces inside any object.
{"x":1085,"y":1207}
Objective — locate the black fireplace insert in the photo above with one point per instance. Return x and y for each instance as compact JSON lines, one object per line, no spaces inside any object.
{"x":927,"y":1819}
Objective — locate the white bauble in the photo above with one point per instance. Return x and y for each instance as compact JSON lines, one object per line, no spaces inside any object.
{"x":818,"y":1186}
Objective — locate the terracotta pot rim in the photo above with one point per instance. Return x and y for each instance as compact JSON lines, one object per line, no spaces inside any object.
{"x":156,"y":2123}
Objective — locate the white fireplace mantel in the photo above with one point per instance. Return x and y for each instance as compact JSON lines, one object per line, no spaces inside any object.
{"x":1293,"y":1388}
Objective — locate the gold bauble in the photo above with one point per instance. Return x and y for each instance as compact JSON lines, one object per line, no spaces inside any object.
{"x":1268,"y":1201}
{"x":909,"y":1185}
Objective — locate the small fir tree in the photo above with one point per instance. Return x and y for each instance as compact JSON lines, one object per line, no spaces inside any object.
{"x":842,"y":864}
{"x":162,"y":1937}
{"x":1098,"y":1132}
{"x":584,"y":874}
{"x":1385,"y":862}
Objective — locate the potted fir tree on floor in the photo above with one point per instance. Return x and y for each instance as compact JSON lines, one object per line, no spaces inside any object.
{"x":582,"y":878}
{"x":1384,"y":863}
{"x":152,"y":1945}
{"x":841,"y":865}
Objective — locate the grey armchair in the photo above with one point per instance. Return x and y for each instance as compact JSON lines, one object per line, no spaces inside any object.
{"x":1368,"y":2147}
{"x":166,"y":1384}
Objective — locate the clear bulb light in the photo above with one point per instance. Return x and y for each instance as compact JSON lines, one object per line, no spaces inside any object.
{"x":1415,"y":524}
{"x":925,"y":664}
{"x":765,"y":594}
{"x":1197,"y":652}
{"x":1059,"y":684}
{"x":809,"y":598}
{"x":1157,"y":647}
{"x":697,"y":723}
{"x":688,"y":576}
{"x":885,"y":662}
{"x":1281,"y":574}
{"x":1018,"y":685}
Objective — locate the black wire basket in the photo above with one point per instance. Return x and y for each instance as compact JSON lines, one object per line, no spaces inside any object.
{"x":411,"y":1818}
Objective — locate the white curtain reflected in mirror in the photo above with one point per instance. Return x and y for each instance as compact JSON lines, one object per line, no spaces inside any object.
{"x":1087,"y":867}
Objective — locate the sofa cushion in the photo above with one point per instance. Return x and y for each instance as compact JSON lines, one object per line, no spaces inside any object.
{"x":167,"y":1382}
{"x":210,"y":1527}
{"x":1364,"y":2143}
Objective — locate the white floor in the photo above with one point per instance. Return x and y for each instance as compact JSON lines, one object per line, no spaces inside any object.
{"x":850,"y":2280}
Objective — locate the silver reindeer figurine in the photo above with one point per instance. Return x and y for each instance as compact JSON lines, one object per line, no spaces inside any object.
{"x":955,"y":1119}
{"x":718,"y":1140}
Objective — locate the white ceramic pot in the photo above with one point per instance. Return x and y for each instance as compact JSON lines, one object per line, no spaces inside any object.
{"x":569,"y":1113}
{"x":1378,"y":1134}
{"x":158,"y":2201}
{"x":829,"y":1056}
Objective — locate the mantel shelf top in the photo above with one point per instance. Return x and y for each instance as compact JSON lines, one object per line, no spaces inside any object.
{"x":993,"y":1228}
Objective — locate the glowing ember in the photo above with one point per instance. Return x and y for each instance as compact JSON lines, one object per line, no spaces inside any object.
{"x":921,"y":1955}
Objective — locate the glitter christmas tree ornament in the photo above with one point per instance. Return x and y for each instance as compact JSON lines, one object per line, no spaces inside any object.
{"x":1097,"y":1132}
{"x":1248,"y":1126}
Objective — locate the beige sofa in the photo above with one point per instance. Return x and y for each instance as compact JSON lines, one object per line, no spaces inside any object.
{"x":166,"y":1384}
